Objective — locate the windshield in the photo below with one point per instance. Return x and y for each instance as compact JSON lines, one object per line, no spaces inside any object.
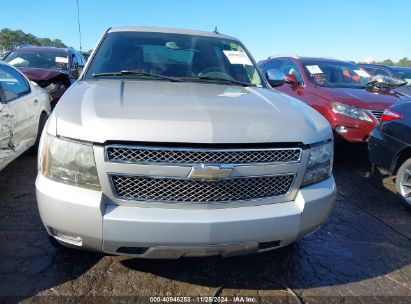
{"x":40,"y":59}
{"x":403,"y":73}
{"x":336,"y":74}
{"x":186,"y":57}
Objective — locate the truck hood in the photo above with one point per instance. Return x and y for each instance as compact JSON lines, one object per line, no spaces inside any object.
{"x":160,"y":111}
{"x":368,"y":99}
{"x":41,"y":75}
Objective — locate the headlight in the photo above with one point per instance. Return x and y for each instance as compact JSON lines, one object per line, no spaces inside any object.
{"x":320,"y":163}
{"x":69,"y":162}
{"x":350,"y":111}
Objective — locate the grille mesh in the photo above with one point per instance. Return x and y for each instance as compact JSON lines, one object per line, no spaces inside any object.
{"x":174,"y":190}
{"x":377,"y":114}
{"x":129,"y":154}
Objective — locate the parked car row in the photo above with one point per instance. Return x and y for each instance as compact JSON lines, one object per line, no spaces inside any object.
{"x":339,"y":90}
{"x":180,"y":134}
{"x":356,"y":104}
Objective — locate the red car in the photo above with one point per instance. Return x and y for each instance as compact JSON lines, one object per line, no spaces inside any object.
{"x":338,"y":90}
{"x":53,"y":69}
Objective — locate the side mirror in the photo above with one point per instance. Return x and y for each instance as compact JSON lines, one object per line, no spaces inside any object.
{"x":275,"y":78}
{"x":74,"y":73}
{"x":291,"y":79}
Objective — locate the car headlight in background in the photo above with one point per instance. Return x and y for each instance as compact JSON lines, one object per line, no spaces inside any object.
{"x":69,"y":162}
{"x":320,"y":163}
{"x":350,"y":111}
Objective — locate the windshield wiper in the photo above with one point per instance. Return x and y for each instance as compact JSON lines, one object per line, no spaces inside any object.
{"x":135,"y":73}
{"x":244,"y":84}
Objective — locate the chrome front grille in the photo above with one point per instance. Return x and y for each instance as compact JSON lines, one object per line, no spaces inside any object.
{"x":135,"y":154}
{"x":377,"y":114}
{"x":144,"y":188}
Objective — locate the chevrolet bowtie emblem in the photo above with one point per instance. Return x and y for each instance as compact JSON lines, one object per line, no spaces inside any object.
{"x":210,"y":173}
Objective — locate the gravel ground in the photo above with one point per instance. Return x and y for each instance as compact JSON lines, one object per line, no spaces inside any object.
{"x":361,"y":255}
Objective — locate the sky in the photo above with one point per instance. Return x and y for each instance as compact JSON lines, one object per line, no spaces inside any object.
{"x":359,"y":30}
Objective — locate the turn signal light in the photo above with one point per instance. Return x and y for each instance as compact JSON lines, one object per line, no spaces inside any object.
{"x":390,"y":115}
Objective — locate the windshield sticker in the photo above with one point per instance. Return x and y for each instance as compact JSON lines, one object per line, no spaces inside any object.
{"x":237,"y":57}
{"x":362,"y":73}
{"x":314,"y":69}
{"x":61,"y":59}
{"x":19,"y":62}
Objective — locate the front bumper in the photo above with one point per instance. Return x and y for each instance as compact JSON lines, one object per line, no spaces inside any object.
{"x":172,"y":233}
{"x":354,"y":132}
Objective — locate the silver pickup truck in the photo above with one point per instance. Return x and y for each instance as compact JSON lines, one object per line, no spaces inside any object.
{"x":173,"y":144}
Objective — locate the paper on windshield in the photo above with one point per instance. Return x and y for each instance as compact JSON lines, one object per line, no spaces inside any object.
{"x":237,"y":57}
{"x":19,"y":62}
{"x":362,"y":73}
{"x":314,"y":69}
{"x":62,"y":59}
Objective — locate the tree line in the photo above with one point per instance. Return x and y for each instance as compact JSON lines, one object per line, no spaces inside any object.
{"x":10,"y":39}
{"x":403,"y":62}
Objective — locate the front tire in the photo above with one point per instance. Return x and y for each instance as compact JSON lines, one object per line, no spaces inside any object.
{"x":42,"y":123}
{"x":403,"y":183}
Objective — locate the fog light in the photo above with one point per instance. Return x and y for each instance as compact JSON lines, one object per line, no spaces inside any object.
{"x":66,"y":237}
{"x":341,"y":129}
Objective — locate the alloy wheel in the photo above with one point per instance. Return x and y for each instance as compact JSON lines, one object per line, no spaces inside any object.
{"x":405,"y":185}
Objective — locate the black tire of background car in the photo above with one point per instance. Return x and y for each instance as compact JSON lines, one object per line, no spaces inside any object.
{"x":42,"y":123}
{"x":406,"y":165}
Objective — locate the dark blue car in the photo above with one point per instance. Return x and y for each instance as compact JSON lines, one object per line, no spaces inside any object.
{"x":390,"y":147}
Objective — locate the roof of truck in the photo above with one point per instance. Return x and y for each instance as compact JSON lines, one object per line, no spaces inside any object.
{"x":35,"y":48}
{"x":169,"y":31}
{"x":305,"y":58}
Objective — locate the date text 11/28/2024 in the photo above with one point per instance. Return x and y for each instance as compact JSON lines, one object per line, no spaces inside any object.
{"x":202,"y":299}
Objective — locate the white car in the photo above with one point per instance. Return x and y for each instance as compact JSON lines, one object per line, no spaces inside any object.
{"x":24,"y":109}
{"x":173,"y":144}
